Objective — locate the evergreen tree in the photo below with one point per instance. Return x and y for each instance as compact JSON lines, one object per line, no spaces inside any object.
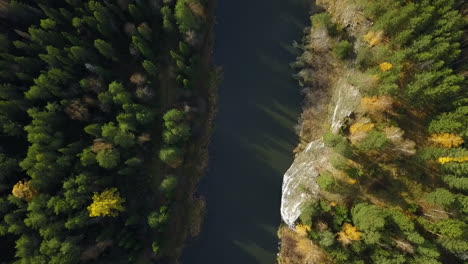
{"x":105,"y":49}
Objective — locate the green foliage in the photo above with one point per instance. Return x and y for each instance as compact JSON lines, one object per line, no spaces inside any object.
{"x":48,"y":24}
{"x":135,"y":12}
{"x":79,"y":54}
{"x":420,"y":43}
{"x":185,"y":16}
{"x":326,"y":181}
{"x":365,"y":57}
{"x":143,"y":46}
{"x":134,"y":162}
{"x":166,"y":12}
{"x":368,"y":218}
{"x":326,"y":239}
{"x":157,"y":220}
{"x":60,"y":62}
{"x":343,"y":49}
{"x":323,"y":20}
{"x":124,"y":139}
{"x":87,"y":157}
{"x":93,"y":129}
{"x":455,"y":182}
{"x":108,"y":158}
{"x":105,"y":49}
{"x":171,"y":155}
{"x":155,"y":247}
{"x":451,"y":122}
{"x":331,"y":139}
{"x":177,"y":130}
{"x":375,"y":140}
{"x":150,"y":67}
{"x":339,"y":162}
{"x":145,"y":31}
{"x":168,"y":185}
{"x":308,"y":211}
{"x":441,"y":197}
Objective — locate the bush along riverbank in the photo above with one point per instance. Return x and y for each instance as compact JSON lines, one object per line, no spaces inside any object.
{"x":106,"y":116}
{"x":380,"y":174}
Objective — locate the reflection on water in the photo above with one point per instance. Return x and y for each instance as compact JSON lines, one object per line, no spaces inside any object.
{"x":252,"y":144}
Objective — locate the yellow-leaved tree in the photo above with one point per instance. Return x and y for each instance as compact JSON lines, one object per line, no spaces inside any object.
{"x":447,"y":140}
{"x":303,"y":230}
{"x":385,"y":66}
{"x":373,"y":38}
{"x":24,"y":191}
{"x":443,"y":160}
{"x":107,"y":203}
{"x":359,"y":130}
{"x":374,"y":105}
{"x":348,"y":234}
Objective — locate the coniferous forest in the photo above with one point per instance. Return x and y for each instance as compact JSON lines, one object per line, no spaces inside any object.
{"x":106,"y":111}
{"x":98,"y":101}
{"x":395,"y":190}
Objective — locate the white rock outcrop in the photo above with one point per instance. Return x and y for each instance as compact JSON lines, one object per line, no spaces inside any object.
{"x":299,"y":183}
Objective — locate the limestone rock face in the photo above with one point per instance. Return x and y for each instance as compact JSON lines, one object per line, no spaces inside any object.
{"x":299,"y":184}
{"x":346,"y":98}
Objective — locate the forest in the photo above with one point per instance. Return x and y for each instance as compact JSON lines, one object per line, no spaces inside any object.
{"x":397,"y":188}
{"x":98,"y":101}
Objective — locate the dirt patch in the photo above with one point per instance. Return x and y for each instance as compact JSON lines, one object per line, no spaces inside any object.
{"x":298,"y":249}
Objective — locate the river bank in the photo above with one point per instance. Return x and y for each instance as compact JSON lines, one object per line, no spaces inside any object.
{"x":189,"y":214}
{"x":372,"y":136}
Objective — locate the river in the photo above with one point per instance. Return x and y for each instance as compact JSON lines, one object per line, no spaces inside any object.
{"x":254,"y":136}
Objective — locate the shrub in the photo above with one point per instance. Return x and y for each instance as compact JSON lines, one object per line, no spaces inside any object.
{"x":157,"y":220}
{"x":343,"y":49}
{"x":339,"y":162}
{"x":323,"y":20}
{"x":343,"y":148}
{"x":325,"y":181}
{"x":355,"y":173}
{"x":327,"y":238}
{"x":364,"y":57}
{"x":330,"y":139}
{"x":168,"y":184}
{"x":375,"y":140}
{"x":171,"y":156}
{"x":309,"y":210}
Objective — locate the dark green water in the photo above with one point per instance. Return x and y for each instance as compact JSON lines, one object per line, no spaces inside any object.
{"x":254,"y":135}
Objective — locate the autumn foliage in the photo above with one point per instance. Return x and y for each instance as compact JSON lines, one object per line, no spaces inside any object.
{"x":107,"y":203}
{"x":443,"y":160}
{"x":24,"y":191}
{"x":361,"y":127}
{"x":302,"y":229}
{"x":385,"y":66}
{"x":373,"y":38}
{"x":447,"y":140}
{"x":376,"y":104}
{"x":348,"y":234}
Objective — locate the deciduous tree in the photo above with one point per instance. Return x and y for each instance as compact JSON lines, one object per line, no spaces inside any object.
{"x":107,"y":203}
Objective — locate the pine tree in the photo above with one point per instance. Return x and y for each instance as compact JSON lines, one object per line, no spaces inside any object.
{"x":150,"y":68}
{"x":105,"y":49}
{"x":108,"y":158}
